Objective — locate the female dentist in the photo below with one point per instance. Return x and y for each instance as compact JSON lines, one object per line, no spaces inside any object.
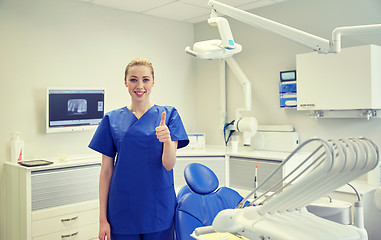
{"x":136,"y":191}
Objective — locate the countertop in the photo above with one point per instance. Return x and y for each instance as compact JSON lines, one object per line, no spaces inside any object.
{"x":222,"y":151}
{"x":59,"y":162}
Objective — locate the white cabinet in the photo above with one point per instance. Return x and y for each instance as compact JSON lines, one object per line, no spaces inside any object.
{"x":242,"y":172}
{"x":55,"y":202}
{"x":349,"y":80}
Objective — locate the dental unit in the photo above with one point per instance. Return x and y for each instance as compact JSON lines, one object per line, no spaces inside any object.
{"x":281,"y":214}
{"x":224,"y":49}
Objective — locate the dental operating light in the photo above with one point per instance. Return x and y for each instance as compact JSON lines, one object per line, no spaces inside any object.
{"x":217,"y":48}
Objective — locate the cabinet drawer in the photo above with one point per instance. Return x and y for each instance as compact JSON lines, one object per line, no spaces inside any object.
{"x":86,"y":232}
{"x":64,"y":222}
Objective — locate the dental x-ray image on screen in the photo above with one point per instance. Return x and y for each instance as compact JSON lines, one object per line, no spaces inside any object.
{"x":74,"y":109}
{"x":77,"y":106}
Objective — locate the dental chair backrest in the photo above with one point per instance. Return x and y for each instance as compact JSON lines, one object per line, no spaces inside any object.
{"x":200,"y":200}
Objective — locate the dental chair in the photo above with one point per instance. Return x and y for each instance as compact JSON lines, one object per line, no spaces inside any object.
{"x":201,"y":200}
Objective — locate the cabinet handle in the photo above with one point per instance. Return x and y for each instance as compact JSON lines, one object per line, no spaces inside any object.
{"x":69,"y":235}
{"x":69,"y":219}
{"x":307,"y":105}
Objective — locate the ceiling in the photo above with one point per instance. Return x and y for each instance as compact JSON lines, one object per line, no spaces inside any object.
{"x":191,"y":11}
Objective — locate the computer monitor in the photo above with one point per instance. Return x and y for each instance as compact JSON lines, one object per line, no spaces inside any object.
{"x":72,"y":109}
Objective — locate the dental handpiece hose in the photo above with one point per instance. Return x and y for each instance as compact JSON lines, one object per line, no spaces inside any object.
{"x":358,"y":211}
{"x":255,"y":181}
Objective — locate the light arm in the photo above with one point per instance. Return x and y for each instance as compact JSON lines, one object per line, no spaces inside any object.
{"x":338,"y":32}
{"x":224,"y":30}
{"x":308,"y":40}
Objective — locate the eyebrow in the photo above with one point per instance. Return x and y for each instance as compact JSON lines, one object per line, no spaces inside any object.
{"x":148,"y":76}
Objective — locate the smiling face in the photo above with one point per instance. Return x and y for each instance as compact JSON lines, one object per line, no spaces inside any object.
{"x":139,"y":81}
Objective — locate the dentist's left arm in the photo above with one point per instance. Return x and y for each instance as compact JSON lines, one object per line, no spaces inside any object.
{"x":169,"y":147}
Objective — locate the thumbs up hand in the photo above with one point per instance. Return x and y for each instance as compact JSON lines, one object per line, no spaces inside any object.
{"x":162,"y":131}
{"x":163,"y":117}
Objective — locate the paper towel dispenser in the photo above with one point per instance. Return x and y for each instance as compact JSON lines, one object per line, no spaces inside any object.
{"x":350,"y":80}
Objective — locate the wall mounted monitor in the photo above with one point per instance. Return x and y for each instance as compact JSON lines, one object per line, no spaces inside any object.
{"x":72,"y":109}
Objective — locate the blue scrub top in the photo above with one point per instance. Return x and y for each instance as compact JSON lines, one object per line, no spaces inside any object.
{"x":142,"y":198}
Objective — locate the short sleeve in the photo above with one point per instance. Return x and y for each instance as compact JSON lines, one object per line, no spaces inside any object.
{"x":177,"y":129}
{"x":102,"y":140}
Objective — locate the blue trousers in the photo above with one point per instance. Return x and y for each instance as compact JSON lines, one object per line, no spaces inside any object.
{"x":163,"y":235}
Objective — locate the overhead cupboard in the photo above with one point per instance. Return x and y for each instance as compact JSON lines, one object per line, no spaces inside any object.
{"x":350,"y":80}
